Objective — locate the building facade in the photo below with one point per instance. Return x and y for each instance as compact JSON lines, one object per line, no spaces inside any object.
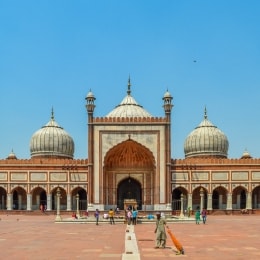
{"x":129,"y":158}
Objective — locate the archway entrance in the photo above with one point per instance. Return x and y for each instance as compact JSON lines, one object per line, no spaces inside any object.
{"x":196,"y":198}
{"x":129,"y":189}
{"x":219,"y":198}
{"x":176,"y":199}
{"x":19,"y":199}
{"x":239,"y":198}
{"x":83,"y":202}
{"x":39,"y":197}
{"x":129,"y":173}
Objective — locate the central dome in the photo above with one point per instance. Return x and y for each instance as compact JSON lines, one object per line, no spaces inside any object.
{"x":51,"y":141}
{"x":128,"y":107}
{"x":206,"y":140}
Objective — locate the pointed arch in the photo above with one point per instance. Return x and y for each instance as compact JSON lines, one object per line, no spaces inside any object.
{"x":39,"y":197}
{"x":128,"y":160}
{"x":129,"y":154}
{"x":239,"y":197}
{"x":176,"y":198}
{"x":83,"y":198}
{"x":219,"y":197}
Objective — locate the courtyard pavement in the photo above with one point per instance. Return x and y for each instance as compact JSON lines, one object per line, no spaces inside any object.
{"x":38,"y":237}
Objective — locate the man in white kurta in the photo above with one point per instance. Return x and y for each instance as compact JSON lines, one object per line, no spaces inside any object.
{"x":160,"y":231}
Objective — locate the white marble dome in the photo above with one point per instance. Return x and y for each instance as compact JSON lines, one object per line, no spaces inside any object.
{"x":128,"y":107}
{"x":12,"y":156}
{"x":51,"y":141}
{"x":206,"y":140}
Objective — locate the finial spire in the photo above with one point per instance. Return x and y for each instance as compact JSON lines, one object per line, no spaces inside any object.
{"x":52,"y":113}
{"x":205,"y":113}
{"x":129,"y":86}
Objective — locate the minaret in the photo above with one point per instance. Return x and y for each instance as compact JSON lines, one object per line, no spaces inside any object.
{"x":167,"y":98}
{"x":90,"y":98}
{"x":129,"y":87}
{"x":90,"y":106}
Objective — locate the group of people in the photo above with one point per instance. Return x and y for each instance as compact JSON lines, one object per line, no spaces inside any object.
{"x":202,"y":214}
{"x":131,"y":216}
{"x":110,"y":215}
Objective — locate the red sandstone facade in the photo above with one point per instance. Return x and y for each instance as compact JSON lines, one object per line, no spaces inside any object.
{"x":129,"y":157}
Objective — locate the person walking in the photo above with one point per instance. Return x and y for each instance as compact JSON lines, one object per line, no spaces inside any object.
{"x":204,"y":215}
{"x":42,"y":208}
{"x":96,"y":214}
{"x":197,"y":215}
{"x":134,"y":216}
{"x":111,"y":216}
{"x":160,"y":231}
{"x":129,"y":217}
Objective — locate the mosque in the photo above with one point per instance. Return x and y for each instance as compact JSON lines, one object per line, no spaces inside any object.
{"x":129,"y":160}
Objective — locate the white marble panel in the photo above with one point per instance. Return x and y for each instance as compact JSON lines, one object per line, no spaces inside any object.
{"x":58,"y":176}
{"x":200,"y":176}
{"x":219,"y":176}
{"x":38,"y":176}
{"x":239,"y":176}
{"x":3,"y":176}
{"x":180,"y":176}
{"x":78,"y":177}
{"x":255,"y":176}
{"x":18,"y":176}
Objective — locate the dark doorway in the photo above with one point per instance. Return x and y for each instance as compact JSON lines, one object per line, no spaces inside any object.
{"x":215,"y":200}
{"x":3,"y":197}
{"x":176,"y":199}
{"x":129,"y":189}
{"x":15,"y":200}
{"x":43,"y":198}
{"x":83,"y":202}
{"x":243,"y":199}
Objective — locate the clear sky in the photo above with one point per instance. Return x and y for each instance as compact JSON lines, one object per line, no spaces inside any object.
{"x":53,"y":52}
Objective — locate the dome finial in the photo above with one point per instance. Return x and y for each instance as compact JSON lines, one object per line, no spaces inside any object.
{"x":52,"y":114}
{"x":246,"y":155}
{"x":129,"y":86}
{"x":205,"y":113}
{"x":12,"y":155}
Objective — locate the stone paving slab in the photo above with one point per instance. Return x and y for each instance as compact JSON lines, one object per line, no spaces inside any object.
{"x":26,"y":237}
{"x":222,"y":237}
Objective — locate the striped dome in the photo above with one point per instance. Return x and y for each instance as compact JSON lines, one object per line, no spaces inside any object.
{"x":128,"y":107}
{"x":206,"y":140}
{"x":51,"y":141}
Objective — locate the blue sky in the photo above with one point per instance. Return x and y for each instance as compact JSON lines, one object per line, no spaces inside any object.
{"x":53,"y":52}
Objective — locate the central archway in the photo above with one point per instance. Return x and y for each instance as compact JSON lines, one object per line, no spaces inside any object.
{"x":128,"y":163}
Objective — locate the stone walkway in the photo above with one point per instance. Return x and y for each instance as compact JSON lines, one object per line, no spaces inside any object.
{"x":26,"y":237}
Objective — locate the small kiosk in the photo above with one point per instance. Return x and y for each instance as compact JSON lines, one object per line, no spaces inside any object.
{"x":132,"y":203}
